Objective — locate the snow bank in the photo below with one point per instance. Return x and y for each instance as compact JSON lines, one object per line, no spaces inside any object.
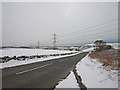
{"x":69,"y":82}
{"x":94,"y":76}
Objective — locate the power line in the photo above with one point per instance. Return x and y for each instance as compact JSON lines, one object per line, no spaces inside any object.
{"x":89,"y":36}
{"x":89,"y":27}
{"x":88,"y":33}
{"x":89,"y":20}
{"x":98,"y":34}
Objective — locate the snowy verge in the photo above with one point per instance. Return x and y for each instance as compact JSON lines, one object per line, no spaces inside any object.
{"x":69,"y":82}
{"x":13,"y":63}
{"x":94,"y":75}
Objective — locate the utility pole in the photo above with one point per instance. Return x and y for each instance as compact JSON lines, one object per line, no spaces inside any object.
{"x":54,"y":41}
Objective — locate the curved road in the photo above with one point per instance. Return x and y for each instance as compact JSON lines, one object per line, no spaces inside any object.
{"x":41,"y":74}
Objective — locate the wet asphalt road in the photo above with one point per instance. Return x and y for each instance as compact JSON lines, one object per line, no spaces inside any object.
{"x":41,"y":74}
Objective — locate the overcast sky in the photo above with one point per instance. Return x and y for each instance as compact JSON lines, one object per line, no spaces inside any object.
{"x":26,"y":23}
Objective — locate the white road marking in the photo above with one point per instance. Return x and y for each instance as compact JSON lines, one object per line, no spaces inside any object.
{"x":32,"y":69}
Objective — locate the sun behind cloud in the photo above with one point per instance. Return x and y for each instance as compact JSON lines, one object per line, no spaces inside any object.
{"x":66,"y":14}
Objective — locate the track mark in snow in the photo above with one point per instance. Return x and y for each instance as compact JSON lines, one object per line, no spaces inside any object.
{"x":32,"y":69}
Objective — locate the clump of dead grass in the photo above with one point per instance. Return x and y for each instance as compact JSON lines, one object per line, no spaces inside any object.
{"x":107,"y":58}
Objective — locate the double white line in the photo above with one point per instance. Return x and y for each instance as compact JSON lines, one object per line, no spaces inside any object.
{"x":32,"y":69}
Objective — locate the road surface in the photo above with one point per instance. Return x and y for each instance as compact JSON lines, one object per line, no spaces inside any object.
{"x":41,"y":74}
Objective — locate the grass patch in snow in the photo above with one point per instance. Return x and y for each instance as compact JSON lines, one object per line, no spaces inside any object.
{"x":108,"y":58}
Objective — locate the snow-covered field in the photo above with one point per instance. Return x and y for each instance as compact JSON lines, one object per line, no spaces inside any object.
{"x":20,"y":52}
{"x":29,"y":52}
{"x":114,"y":45}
